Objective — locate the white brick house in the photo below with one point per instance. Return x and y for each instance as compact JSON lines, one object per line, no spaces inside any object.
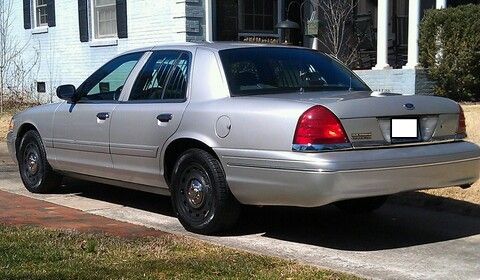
{"x":74,"y":37}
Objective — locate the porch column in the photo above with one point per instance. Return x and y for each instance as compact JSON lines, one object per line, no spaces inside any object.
{"x":382,"y":35}
{"x":208,"y":20}
{"x":413,"y":25}
{"x":441,"y":4}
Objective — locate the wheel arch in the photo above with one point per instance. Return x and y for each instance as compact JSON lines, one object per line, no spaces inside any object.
{"x":24,"y":128}
{"x":176,"y":147}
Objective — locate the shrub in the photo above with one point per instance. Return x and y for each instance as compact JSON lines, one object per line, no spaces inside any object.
{"x":450,"y":48}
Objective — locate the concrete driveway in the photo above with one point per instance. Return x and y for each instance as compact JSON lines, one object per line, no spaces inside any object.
{"x":397,"y":242}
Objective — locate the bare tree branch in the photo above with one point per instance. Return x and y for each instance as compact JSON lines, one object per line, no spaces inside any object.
{"x":337,"y":39}
{"x":15,"y":69}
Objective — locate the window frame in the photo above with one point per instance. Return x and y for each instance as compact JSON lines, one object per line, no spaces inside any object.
{"x":80,"y":90}
{"x":242,"y":14}
{"x":95,"y":28}
{"x":35,"y":7}
{"x":189,"y":78}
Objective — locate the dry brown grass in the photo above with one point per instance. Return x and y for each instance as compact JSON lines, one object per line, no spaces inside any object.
{"x":10,"y":108}
{"x":4,"y":122}
{"x":472,"y":115}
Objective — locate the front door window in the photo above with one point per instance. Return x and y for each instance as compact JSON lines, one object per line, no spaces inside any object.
{"x":107,"y":82}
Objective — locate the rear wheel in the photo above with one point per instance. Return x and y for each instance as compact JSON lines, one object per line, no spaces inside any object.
{"x":361,"y":205}
{"x":36,"y":173}
{"x":201,"y":198}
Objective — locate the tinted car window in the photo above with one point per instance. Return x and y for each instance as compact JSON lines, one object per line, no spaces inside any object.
{"x":107,"y":82}
{"x":164,"y":77}
{"x":266,"y":70}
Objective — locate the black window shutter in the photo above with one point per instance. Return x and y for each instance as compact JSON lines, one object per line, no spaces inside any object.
{"x":27,"y":17}
{"x":51,"y":12}
{"x":83,"y":20}
{"x":122,"y":29}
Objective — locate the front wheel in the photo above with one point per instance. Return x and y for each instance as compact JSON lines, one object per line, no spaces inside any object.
{"x":201,"y":197}
{"x":361,"y":205}
{"x":36,"y":173}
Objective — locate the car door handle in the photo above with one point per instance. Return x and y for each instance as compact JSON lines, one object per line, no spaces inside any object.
{"x":164,"y":117}
{"x":103,"y":116}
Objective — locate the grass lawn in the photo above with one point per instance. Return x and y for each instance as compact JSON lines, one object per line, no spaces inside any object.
{"x":472,"y":116}
{"x":35,"y":253}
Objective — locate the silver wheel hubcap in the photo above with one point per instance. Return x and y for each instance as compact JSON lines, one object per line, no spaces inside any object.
{"x":195,"y":193}
{"x":32,"y":163}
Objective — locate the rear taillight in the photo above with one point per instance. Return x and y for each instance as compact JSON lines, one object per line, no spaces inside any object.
{"x":462,"y":127}
{"x":319,"y":126}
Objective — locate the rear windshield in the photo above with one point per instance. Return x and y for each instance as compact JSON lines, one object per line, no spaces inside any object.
{"x":252,"y":71}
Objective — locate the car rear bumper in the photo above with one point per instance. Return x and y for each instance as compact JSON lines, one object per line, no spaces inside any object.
{"x":11,"y":146}
{"x":315,"y":179}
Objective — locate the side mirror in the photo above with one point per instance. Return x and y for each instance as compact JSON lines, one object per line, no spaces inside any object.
{"x":66,"y":92}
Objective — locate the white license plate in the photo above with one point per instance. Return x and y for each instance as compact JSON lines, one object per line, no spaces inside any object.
{"x":404,"y":128}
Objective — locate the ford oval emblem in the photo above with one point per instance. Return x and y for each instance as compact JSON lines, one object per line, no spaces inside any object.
{"x":409,"y":106}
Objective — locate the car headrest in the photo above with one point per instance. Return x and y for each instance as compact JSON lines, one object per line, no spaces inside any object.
{"x":246,"y":79}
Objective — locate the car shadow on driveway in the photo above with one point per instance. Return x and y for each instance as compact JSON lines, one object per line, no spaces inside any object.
{"x":136,"y":199}
{"x":395,"y":225}
{"x":392,"y":226}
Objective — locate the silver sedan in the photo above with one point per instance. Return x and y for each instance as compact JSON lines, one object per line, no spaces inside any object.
{"x":220,"y":125}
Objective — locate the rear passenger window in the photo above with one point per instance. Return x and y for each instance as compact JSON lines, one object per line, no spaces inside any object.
{"x":164,"y":77}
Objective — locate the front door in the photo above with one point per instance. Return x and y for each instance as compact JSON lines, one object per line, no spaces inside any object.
{"x":143,"y":122}
{"x":82,"y":129}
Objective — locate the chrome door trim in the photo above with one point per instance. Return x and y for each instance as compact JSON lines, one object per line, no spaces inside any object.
{"x":134,"y":150}
{"x":84,"y":146}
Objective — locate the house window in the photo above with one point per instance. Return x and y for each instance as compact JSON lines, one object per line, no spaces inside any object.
{"x":38,"y":13}
{"x":41,"y":14}
{"x":257,"y":15}
{"x":104,"y":18}
{"x":41,"y":87}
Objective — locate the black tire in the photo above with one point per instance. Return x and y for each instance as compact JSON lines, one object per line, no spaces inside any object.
{"x":36,"y":173}
{"x":201,"y":197}
{"x":361,"y":205}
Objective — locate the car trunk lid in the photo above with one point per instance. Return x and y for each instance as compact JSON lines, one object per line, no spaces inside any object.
{"x":367,"y":116}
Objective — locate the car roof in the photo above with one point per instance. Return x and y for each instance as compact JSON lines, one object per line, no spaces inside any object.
{"x":214,"y":46}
